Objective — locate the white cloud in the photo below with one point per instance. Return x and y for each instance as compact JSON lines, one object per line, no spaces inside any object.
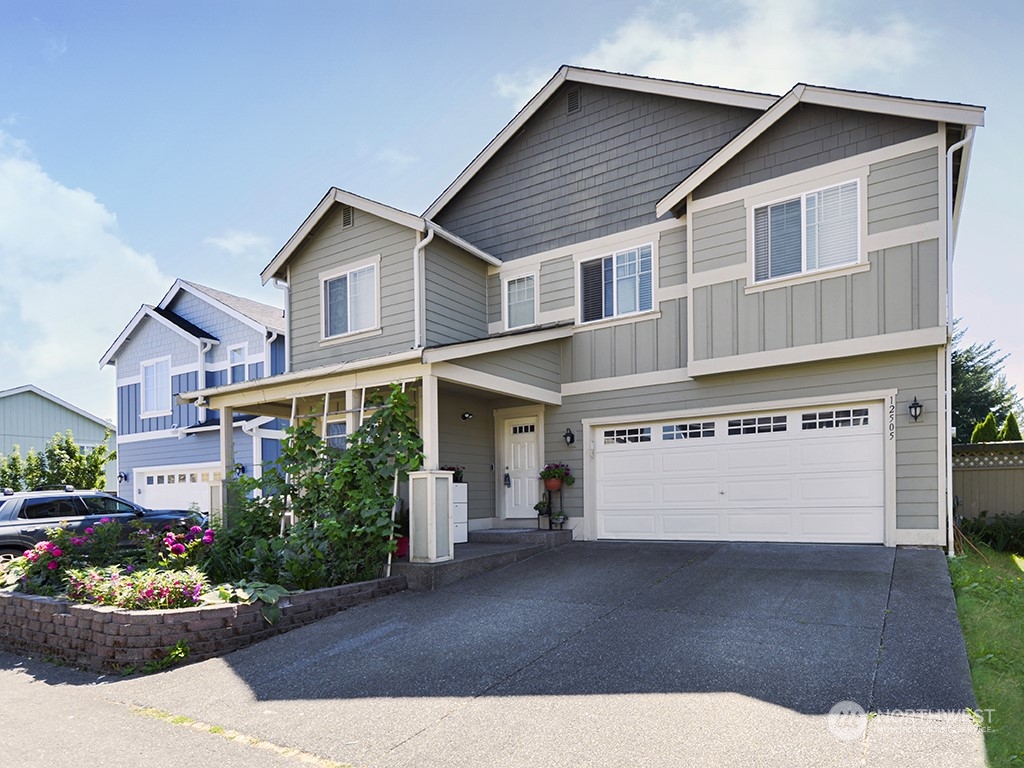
{"x":70,"y":283}
{"x":237,"y":243}
{"x":395,"y":159}
{"x":760,"y":46}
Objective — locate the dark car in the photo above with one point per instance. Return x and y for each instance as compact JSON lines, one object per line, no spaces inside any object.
{"x":26,"y":516}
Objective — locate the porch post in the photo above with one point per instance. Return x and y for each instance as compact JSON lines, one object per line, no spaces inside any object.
{"x":227,"y":458}
{"x":428,"y":421}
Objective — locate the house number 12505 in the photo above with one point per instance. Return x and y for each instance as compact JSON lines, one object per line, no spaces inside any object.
{"x":892,"y":418}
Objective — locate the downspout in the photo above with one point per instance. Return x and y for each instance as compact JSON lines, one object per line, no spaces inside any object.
{"x":950,"y":247}
{"x":204,"y":348}
{"x":283,"y":286}
{"x":268,"y":354}
{"x":417,"y":292}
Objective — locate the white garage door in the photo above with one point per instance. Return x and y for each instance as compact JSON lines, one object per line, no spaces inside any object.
{"x":175,"y":487}
{"x":809,"y":475}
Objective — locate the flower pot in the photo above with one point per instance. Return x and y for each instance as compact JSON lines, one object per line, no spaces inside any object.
{"x":402,"y":549}
{"x":553,"y":483}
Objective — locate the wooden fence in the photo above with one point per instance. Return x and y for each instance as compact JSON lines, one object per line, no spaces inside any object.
{"x":988,"y":478}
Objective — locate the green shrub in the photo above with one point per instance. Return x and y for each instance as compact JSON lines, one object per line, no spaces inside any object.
{"x":1009,"y":430}
{"x":1004,"y":533}
{"x":132,"y":590}
{"x":985,"y":431}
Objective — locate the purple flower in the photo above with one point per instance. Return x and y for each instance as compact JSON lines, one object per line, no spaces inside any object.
{"x":57,"y":552}
{"x":195,"y":529}
{"x":52,"y":565}
{"x":88,"y":531}
{"x":177,"y":549}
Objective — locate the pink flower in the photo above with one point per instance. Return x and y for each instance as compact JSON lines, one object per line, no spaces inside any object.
{"x":57,"y":552}
{"x":88,"y":531}
{"x":52,"y":565}
{"x":104,"y":520}
{"x":178,"y":549}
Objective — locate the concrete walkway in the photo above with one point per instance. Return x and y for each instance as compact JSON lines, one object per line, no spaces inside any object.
{"x":594,"y":654}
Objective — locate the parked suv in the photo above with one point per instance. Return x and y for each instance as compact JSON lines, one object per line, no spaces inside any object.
{"x":26,"y":516}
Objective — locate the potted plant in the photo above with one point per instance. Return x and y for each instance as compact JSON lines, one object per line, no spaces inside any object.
{"x":558,"y":518}
{"x":456,"y":472}
{"x":556,"y":475}
{"x":541,"y":507}
{"x":401,"y":530}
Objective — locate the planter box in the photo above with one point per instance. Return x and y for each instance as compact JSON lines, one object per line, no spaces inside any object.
{"x":105,"y":639}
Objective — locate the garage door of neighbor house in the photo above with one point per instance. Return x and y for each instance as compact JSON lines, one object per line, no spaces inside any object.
{"x":808,"y":475}
{"x":175,"y":487}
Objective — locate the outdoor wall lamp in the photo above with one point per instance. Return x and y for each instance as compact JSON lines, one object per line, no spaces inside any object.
{"x":915,"y":409}
{"x":570,"y":438}
{"x":467,"y":416}
{"x":239,"y":469}
{"x":122,"y":477}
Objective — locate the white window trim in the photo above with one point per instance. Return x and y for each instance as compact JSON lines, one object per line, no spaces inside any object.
{"x":806,"y":274}
{"x":505,"y":280}
{"x":324,"y":277}
{"x":143,"y":413}
{"x":620,"y":316}
{"x":245,"y":361}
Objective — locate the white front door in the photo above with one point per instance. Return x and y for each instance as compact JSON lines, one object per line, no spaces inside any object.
{"x":521,"y":468}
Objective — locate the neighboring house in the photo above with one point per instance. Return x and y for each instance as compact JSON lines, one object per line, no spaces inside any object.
{"x":168,"y":452}
{"x":30,"y":417}
{"x":716,"y":306}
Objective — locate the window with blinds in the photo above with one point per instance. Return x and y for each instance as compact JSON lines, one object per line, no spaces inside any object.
{"x":620,"y":284}
{"x":815,"y":231}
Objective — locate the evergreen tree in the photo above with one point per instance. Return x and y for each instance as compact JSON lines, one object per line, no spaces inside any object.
{"x":1010,"y":430}
{"x":979,"y":386}
{"x":985,"y":431}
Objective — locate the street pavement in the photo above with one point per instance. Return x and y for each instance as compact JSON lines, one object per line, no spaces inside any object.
{"x":593,"y":654}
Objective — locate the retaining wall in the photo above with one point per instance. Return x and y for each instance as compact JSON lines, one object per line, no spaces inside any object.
{"x":105,"y":639}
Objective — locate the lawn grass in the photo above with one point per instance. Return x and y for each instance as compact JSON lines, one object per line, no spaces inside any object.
{"x":990,"y":601}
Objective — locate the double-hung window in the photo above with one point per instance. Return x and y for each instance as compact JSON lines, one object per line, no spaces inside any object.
{"x":156,"y":387}
{"x":520,"y":302}
{"x":817,"y":230}
{"x":615,"y":285}
{"x":236,"y":364}
{"x":350,"y":301}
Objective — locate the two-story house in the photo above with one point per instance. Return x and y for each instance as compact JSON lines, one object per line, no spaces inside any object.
{"x":168,"y":452}
{"x":728,"y":312}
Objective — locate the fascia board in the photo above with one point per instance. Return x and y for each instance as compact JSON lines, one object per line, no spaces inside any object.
{"x":718,"y":160}
{"x":335,"y":195}
{"x":938,"y":111}
{"x":690,"y":91}
{"x":108,"y":356}
{"x":496,"y":344}
{"x":464,"y":245}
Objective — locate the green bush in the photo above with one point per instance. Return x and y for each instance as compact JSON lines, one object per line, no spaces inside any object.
{"x":985,"y":431}
{"x":1009,"y":430}
{"x":1004,"y":533}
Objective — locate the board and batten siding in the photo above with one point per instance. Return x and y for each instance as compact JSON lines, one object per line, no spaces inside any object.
{"x":456,"y":301}
{"x":568,"y":177}
{"x":28,"y":420}
{"x":150,"y":341}
{"x":333,"y":247}
{"x":913,"y":372}
{"x":808,"y":136}
{"x":129,"y":406}
{"x":900,"y":292}
{"x":904,"y":191}
{"x":625,"y":349}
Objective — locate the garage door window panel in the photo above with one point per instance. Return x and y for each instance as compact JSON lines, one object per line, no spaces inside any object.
{"x":755,"y":425}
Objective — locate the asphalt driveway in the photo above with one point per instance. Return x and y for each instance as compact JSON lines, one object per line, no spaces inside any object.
{"x":615,"y":654}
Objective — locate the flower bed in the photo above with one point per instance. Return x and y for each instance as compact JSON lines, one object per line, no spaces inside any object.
{"x":107,"y":639}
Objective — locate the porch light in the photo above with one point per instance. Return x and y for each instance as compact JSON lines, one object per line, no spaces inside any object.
{"x":570,"y":438}
{"x":239,"y":469}
{"x":122,"y":477}
{"x":915,"y":409}
{"x":466,"y":416}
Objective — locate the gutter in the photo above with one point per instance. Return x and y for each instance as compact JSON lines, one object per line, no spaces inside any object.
{"x":950,"y":248}
{"x":417,"y":288}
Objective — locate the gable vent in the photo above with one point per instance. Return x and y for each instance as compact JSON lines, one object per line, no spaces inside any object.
{"x":573,"y":100}
{"x":348,"y":216}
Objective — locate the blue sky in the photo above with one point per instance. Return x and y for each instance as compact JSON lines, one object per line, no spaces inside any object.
{"x":141,"y":142}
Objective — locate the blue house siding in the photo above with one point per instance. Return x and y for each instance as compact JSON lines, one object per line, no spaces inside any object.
{"x":256,"y":370}
{"x":129,"y":407}
{"x":201,"y":448}
{"x":277,"y":356}
{"x":216,"y":378}
{"x":271,"y":451}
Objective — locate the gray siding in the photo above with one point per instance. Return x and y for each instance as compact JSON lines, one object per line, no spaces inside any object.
{"x":28,"y":420}
{"x":913,"y":372}
{"x":904,"y":191}
{"x":456,"y":286}
{"x":557,"y":287}
{"x":672,"y":257}
{"x":808,"y":136}
{"x":331,"y":247}
{"x":567,"y":178}
{"x":151,"y":340}
{"x":538,"y":364}
{"x":720,"y":237}
{"x":899,"y":293}
{"x":654,"y":344}
{"x":468,"y":444}
{"x":494,"y":298}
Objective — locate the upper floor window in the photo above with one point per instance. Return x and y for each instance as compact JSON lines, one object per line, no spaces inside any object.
{"x":350,"y":301}
{"x":814,"y":231}
{"x":520,"y":302}
{"x":237,"y":364}
{"x":616,"y":285}
{"x":156,"y":387}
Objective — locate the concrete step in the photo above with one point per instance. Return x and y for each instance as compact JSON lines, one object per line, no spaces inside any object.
{"x":485,"y":551}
